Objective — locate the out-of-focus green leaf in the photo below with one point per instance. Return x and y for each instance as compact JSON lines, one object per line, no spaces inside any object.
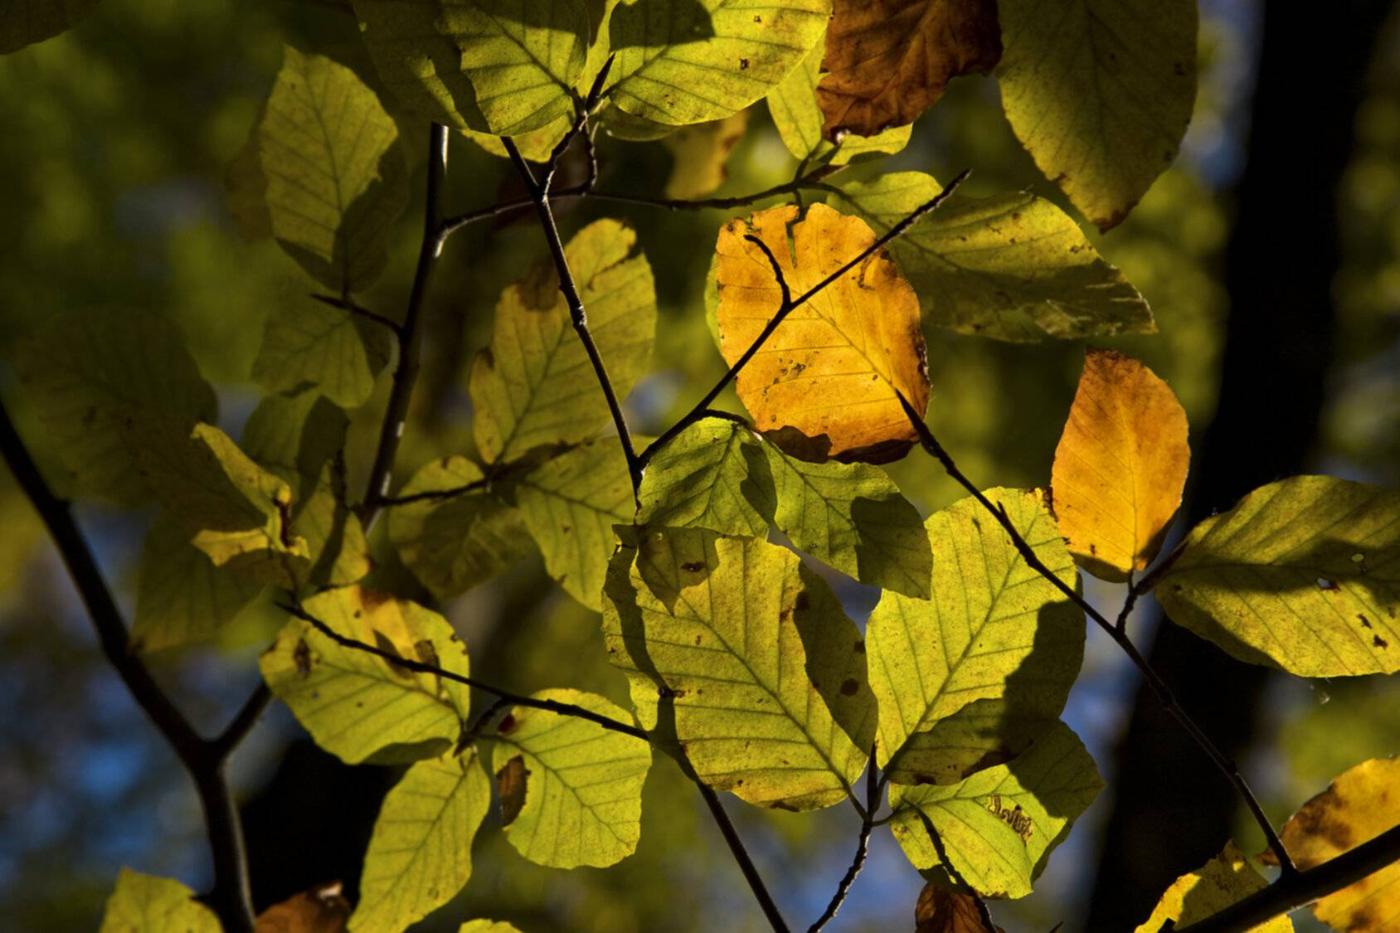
{"x":311,"y":345}
{"x":24,"y":22}
{"x":487,"y":926}
{"x":712,"y":475}
{"x":420,"y":854}
{"x":1302,"y":574}
{"x":581,"y":784}
{"x":147,"y":904}
{"x":361,"y":707}
{"x":699,"y":154}
{"x":295,"y":435}
{"x":534,"y":386}
{"x":1011,"y":267}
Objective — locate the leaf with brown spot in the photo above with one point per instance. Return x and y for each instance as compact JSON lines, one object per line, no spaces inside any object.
{"x":1120,"y":466}
{"x":824,"y":384}
{"x":321,"y":910}
{"x":940,"y":910}
{"x":887,"y":61}
{"x":512,"y":782}
{"x":1217,"y":884}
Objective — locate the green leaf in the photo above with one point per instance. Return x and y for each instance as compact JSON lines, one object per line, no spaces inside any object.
{"x":1010,"y":267}
{"x":712,"y":475}
{"x":1302,"y":574}
{"x":309,"y":344}
{"x":1099,"y":92}
{"x":535,"y":386}
{"x":24,"y":22}
{"x":181,"y":597}
{"x":92,"y":375}
{"x":535,"y":146}
{"x":994,"y":628}
{"x":699,"y":155}
{"x":147,"y":904}
{"x":295,"y":435}
{"x":753,"y":662}
{"x":334,"y":537}
{"x":336,"y":180}
{"x":420,"y":854}
{"x":998,"y":826}
{"x":356,"y":705}
{"x":453,"y":542}
{"x":570,"y":504}
{"x":581,"y":783}
{"x":853,"y":517}
{"x":692,"y":61}
{"x":487,"y":926}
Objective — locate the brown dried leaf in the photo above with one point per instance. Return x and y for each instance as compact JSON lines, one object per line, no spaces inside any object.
{"x":942,"y":911}
{"x":511,"y":782}
{"x":320,"y":910}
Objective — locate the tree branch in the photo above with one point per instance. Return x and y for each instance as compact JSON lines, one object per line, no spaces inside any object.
{"x":346,"y":304}
{"x":874,"y":786}
{"x":741,"y":855}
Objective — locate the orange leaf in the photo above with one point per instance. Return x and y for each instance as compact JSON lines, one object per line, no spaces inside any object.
{"x":320,"y":910}
{"x":824,"y":383}
{"x":942,"y":911}
{"x":1120,"y":466}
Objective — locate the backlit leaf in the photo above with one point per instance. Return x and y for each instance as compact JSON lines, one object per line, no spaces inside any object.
{"x":1099,"y":92}
{"x":712,"y":475}
{"x":309,"y":344}
{"x":993,"y":629}
{"x":699,"y":154}
{"x":420,"y":855}
{"x":1120,"y":466}
{"x":825,"y":383}
{"x":941,"y":910}
{"x":888,"y":61}
{"x":356,"y":705}
{"x":582,"y":784}
{"x":487,"y":926}
{"x":1010,"y":267}
{"x":1217,"y":884}
{"x":535,"y":386}
{"x":1302,"y":574}
{"x":335,"y":539}
{"x":147,"y":904}
{"x":336,"y":180}
{"x":295,"y":435}
{"x":753,"y":662}
{"x":24,"y":22}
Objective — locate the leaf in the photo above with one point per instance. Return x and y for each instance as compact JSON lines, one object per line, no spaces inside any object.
{"x":420,"y":854}
{"x":181,"y":597}
{"x":751,"y":656}
{"x":943,"y":911}
{"x":712,"y":475}
{"x":858,"y":341}
{"x":92,"y":375}
{"x":295,"y":435}
{"x":1120,"y":466}
{"x":308,"y":344}
{"x":1217,"y":884}
{"x":334,"y":537}
{"x":1010,"y":267}
{"x":691,"y":61}
{"x":1099,"y":92}
{"x":1302,"y":574}
{"x":147,"y":904}
{"x":994,"y":629}
{"x":500,"y":66}
{"x":582,"y":784}
{"x":321,"y":910}
{"x":535,"y":386}
{"x":570,"y":504}
{"x":1358,"y":806}
{"x":798,"y":119}
{"x":336,"y":180}
{"x":535,"y":146}
{"x":998,"y":826}
{"x":454,"y":542}
{"x":356,"y":705}
{"x":888,"y":61}
{"x":24,"y":22}
{"x":487,"y":926}
{"x":699,"y":153}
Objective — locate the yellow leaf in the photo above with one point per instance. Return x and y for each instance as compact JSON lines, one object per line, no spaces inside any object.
{"x":1120,"y":466}
{"x":1361,"y":804}
{"x":824,"y":383}
{"x":1217,"y":884}
{"x":699,"y":154}
{"x":888,"y":61}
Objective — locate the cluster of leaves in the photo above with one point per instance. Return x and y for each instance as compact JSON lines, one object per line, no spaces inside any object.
{"x":742,"y":663}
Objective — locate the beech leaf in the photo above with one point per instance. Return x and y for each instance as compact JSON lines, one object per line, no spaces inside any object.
{"x":1217,"y":884}
{"x":147,"y":904}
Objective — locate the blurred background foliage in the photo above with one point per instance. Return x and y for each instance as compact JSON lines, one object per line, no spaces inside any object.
{"x":115,"y":144}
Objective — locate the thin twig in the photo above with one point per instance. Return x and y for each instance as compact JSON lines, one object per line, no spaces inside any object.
{"x":789,"y":304}
{"x":1129,"y":602}
{"x":874,"y":786}
{"x":1158,"y":685}
{"x":741,"y":855}
{"x":242,"y":722}
{"x":346,"y":304}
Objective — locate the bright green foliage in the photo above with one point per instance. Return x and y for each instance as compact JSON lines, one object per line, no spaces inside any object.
{"x":294,"y":435}
{"x":94,"y":375}
{"x":24,"y":22}
{"x":1010,"y":267}
{"x":1302,"y":574}
{"x":993,"y":629}
{"x":754,"y":661}
{"x":181,"y":597}
{"x":712,"y":475}
{"x":534,"y":386}
{"x":453,"y":542}
{"x":335,"y":539}
{"x":999,"y":825}
{"x":420,"y":855}
{"x":487,"y":926}
{"x":1099,"y":92}
{"x":147,"y":904}
{"x":357,"y":705}
{"x":798,"y":118}
{"x":309,"y":344}
{"x":335,"y":177}
{"x":581,"y":784}
{"x":535,"y":145}
{"x":692,"y":61}
{"x":570,"y":504}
